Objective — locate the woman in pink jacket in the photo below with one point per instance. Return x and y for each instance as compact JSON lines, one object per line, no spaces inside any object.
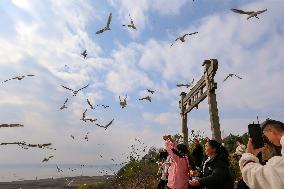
{"x":179,"y":169}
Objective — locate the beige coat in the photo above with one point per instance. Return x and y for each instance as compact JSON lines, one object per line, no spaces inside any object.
{"x":257,"y":176}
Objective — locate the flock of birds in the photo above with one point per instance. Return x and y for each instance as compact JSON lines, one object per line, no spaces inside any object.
{"x":122,"y":100}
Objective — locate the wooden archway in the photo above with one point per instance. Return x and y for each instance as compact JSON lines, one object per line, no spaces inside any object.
{"x":205,"y":87}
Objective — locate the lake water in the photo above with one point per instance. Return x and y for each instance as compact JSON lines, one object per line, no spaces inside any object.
{"x":31,"y":172}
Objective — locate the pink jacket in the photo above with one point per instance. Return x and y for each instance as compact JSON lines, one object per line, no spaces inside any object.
{"x":178,"y":171}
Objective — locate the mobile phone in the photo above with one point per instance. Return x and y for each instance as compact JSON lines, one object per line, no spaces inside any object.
{"x":255,"y":134}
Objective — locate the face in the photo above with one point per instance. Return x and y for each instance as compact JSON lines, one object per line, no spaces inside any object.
{"x":272,"y":136}
{"x":209,"y":151}
{"x":195,"y":141}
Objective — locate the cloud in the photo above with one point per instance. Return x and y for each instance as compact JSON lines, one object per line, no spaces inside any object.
{"x":139,"y":10}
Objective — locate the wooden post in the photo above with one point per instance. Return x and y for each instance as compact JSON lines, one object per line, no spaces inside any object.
{"x":184,"y":119}
{"x":212,"y":101}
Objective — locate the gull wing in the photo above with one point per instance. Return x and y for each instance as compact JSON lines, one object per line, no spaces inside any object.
{"x":193,"y":33}
{"x":83,"y":87}
{"x":92,"y":107}
{"x":226,"y":78}
{"x":99,"y":125}
{"x":109,"y":20}
{"x":237,"y":76}
{"x":239,"y":11}
{"x":109,"y":123}
{"x":262,"y":11}
{"x":67,"y":88}
{"x":6,"y":80}
{"x":100,"y":31}
{"x":66,"y":101}
{"x":175,"y":41}
{"x":48,"y":144}
{"x":192,"y":82}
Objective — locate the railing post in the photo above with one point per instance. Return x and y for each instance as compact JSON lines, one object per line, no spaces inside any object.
{"x":183,"y":119}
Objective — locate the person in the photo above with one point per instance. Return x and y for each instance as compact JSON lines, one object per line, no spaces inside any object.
{"x":164,"y":165}
{"x":240,"y":150}
{"x":270,"y":175}
{"x":197,"y":153}
{"x":180,"y":166}
{"x":269,"y":150}
{"x":215,"y":169}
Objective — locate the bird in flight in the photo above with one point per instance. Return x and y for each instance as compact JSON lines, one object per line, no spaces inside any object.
{"x":232,"y":75}
{"x":72,"y":136}
{"x":87,"y":119}
{"x":11,"y":125}
{"x":123,"y":102}
{"x":131,"y":25}
{"x":87,"y":136}
{"x":107,"y":27}
{"x":90,"y":104}
{"x":91,"y":120}
{"x":18,"y":78}
{"x":84,"y":115}
{"x":84,"y":54}
{"x":186,"y":85}
{"x":75,"y":92}
{"x":105,"y":106}
{"x":250,"y":14}
{"x":58,"y":169}
{"x":47,"y":159}
{"x":182,"y":38}
{"x":105,"y":126}
{"x":150,"y":91}
{"x":64,"y":105}
{"x":146,"y":98}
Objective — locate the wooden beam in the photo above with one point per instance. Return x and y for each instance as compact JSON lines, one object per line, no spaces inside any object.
{"x":196,"y":102}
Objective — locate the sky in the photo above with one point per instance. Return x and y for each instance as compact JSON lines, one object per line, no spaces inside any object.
{"x":46,"y":38}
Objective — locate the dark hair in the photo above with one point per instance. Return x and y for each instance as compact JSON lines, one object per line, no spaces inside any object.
{"x":240,"y":140}
{"x":163,"y":155}
{"x":183,"y":152}
{"x":220,"y":150}
{"x":278,"y":125}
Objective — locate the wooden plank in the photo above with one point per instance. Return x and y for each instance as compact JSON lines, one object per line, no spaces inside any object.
{"x":200,"y":84}
{"x":195,"y":103}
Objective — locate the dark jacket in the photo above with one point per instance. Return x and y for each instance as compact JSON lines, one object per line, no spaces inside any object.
{"x":197,"y":155}
{"x":216,"y":174}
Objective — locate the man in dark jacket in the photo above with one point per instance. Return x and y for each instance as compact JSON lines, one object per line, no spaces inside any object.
{"x":197,"y":153}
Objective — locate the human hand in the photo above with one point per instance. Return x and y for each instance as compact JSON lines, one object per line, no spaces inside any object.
{"x":194,"y":173}
{"x":250,"y":148}
{"x":194,"y":182}
{"x":166,"y":137}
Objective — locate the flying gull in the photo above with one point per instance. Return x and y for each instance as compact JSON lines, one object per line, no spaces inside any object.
{"x":182,"y":38}
{"x":250,"y":14}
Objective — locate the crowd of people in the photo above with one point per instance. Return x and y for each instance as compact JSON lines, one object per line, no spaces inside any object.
{"x":207,"y":166}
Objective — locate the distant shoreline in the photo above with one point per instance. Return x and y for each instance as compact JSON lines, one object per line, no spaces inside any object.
{"x":56,"y":182}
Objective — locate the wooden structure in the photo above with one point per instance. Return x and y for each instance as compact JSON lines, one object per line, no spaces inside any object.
{"x":205,"y":87}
